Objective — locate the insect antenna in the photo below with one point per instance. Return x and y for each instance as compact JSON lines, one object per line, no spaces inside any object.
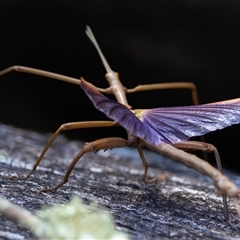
{"x":94,"y":41}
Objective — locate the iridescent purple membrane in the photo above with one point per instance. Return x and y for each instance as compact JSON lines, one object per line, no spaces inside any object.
{"x":168,"y":125}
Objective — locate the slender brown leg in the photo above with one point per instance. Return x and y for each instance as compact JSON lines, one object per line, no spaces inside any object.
{"x":104,"y":143}
{"x":160,"y":86}
{"x":47,"y":74}
{"x":201,"y":146}
{"x":208,"y":148}
{"x":189,"y":145}
{"x":64,"y":127}
{"x":145,"y":164}
{"x":221,"y":182}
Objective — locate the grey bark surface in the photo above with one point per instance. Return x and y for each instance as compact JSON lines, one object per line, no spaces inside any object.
{"x":185,"y":206}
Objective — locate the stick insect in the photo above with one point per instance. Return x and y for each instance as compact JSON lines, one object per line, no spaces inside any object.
{"x":164,"y":130}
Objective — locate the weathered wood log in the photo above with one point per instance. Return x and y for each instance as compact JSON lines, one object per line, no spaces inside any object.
{"x":185,"y":206}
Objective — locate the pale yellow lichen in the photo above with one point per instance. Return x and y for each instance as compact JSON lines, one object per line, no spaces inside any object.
{"x":76,"y":220}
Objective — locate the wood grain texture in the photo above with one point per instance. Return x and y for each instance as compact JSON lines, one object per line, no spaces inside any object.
{"x":185,"y":206}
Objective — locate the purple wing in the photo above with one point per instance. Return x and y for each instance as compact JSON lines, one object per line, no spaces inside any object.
{"x":168,"y":125}
{"x":176,"y":124}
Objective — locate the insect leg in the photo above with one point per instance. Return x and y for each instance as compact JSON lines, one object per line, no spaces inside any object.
{"x":206,"y":147}
{"x":145,"y":164}
{"x":104,"y":143}
{"x":64,"y":127}
{"x":160,"y":86}
{"x":47,"y":74}
{"x":221,"y":182}
{"x":201,"y":146}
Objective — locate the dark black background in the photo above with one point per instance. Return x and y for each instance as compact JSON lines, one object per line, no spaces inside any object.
{"x":145,"y":41}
